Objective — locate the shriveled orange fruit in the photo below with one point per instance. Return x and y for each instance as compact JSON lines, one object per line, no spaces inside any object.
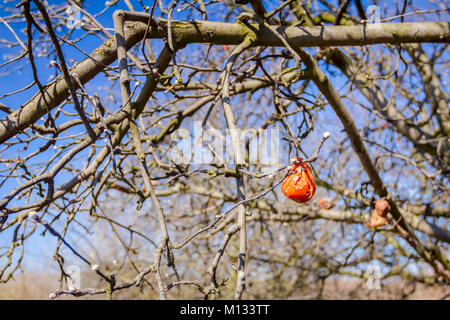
{"x":299,"y":185}
{"x":379,"y":214}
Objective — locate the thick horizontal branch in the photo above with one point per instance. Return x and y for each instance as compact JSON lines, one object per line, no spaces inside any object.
{"x":194,"y":31}
{"x":364,"y":34}
{"x":185,"y":32}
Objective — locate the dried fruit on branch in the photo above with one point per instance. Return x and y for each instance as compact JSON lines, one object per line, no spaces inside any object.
{"x":378,"y":217}
{"x":299,"y":185}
